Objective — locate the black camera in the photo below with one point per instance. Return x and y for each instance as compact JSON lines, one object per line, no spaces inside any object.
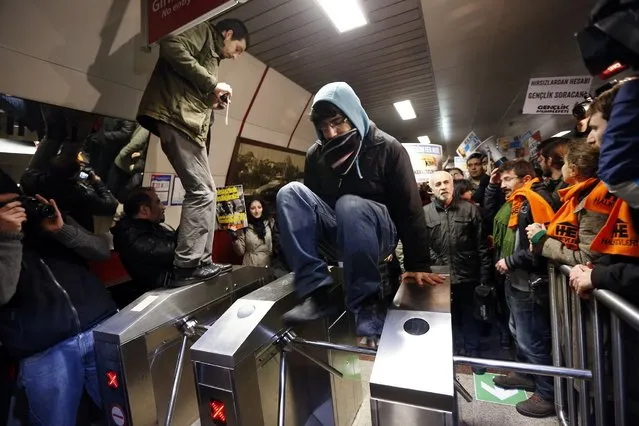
{"x":36,"y":211}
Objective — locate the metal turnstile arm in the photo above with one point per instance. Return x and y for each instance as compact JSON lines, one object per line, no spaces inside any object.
{"x":462,"y":391}
{"x":281,"y":401}
{"x":176,"y":381}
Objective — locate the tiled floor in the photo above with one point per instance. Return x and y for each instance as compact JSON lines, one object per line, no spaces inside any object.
{"x":476,"y":413}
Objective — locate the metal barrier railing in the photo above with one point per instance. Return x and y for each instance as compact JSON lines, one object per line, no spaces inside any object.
{"x":570,"y":339}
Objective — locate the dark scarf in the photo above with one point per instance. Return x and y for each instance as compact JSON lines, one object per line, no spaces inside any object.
{"x":341,"y":152}
{"x":258,"y":225}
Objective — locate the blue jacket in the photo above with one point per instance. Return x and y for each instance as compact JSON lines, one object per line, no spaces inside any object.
{"x":619,"y":154}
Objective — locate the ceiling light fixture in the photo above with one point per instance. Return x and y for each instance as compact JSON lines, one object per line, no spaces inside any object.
{"x":405,"y":110}
{"x":560,"y":134}
{"x":423,"y":139}
{"x":345,"y":14}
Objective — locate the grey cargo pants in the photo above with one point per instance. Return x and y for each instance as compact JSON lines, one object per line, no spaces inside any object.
{"x":197,"y":222}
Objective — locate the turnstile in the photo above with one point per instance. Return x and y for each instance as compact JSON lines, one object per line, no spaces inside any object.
{"x":413,"y":380}
{"x":238,"y":365}
{"x":138,"y":349}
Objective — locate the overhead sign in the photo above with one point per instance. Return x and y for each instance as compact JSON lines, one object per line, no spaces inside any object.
{"x":425,"y":159}
{"x":165,"y":17}
{"x":556,"y":95}
{"x":469,"y":145}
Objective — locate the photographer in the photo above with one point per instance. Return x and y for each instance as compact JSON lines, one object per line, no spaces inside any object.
{"x":79,"y":191}
{"x":49,"y":304}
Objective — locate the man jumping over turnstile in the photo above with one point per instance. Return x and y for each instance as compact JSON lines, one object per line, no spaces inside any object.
{"x":359,"y":196}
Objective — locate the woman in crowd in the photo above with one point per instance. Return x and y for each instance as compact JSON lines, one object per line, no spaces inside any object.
{"x":255,"y":242}
{"x":586,"y":203}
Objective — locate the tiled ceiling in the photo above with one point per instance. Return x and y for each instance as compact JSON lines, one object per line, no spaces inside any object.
{"x":465,"y":65}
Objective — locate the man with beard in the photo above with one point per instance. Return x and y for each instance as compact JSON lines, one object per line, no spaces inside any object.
{"x":458,"y":240}
{"x":551,"y":160}
{"x":146,"y":246}
{"x":359,"y":196}
{"x":526,"y":278}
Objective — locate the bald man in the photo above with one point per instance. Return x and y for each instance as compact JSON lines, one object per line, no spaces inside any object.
{"x":458,"y":240}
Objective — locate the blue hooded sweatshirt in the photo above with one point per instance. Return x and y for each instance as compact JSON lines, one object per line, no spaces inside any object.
{"x":343,"y":97}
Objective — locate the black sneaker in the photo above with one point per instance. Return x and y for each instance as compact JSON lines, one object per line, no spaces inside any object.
{"x":186,"y":276}
{"x":309,"y":310}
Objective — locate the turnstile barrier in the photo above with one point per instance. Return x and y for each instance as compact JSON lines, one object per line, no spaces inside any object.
{"x":238,"y":366}
{"x":137,"y":349}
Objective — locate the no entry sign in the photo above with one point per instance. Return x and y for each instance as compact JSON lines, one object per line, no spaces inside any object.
{"x":174,"y":16}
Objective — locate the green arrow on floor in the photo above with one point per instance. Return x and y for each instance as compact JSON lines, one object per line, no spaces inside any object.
{"x":487,"y":391}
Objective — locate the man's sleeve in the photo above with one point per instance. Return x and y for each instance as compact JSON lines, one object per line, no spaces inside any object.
{"x":482,"y":246}
{"x":619,"y":278}
{"x":180,"y":51}
{"x":10,"y":265}
{"x":311,"y":177}
{"x":406,"y":210}
{"x":87,"y":245}
{"x":493,"y":200}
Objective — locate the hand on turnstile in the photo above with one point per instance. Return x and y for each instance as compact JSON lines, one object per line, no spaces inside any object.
{"x":423,"y":278}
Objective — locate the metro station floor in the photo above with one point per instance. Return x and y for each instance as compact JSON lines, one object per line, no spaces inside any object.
{"x":476,"y":413}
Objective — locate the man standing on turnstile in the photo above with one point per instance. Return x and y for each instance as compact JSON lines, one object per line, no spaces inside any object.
{"x":359,"y":195}
{"x":176,"y":106}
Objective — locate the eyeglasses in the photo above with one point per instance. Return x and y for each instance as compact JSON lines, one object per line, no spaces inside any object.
{"x":334,"y":123}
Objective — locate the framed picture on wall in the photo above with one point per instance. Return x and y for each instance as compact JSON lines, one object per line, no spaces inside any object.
{"x":263,"y":169}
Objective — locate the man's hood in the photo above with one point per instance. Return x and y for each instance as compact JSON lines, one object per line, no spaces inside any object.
{"x":343,"y":97}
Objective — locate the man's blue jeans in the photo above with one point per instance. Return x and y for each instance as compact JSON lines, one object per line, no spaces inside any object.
{"x":360,"y":231}
{"x":530,"y":326}
{"x":54,"y":380}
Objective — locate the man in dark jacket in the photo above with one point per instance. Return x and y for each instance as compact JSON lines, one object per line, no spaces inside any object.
{"x":177,"y":106}
{"x":527,"y":202}
{"x":146,"y":247}
{"x":359,"y":195}
{"x":478,"y":176}
{"x":458,"y":240}
{"x":49,"y":304}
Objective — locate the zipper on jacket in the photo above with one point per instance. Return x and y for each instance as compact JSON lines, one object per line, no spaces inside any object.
{"x":450,"y":243}
{"x":76,"y":317}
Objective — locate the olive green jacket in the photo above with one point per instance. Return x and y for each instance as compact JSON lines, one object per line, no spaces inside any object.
{"x":181,"y":90}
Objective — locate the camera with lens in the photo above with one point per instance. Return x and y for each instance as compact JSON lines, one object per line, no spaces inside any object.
{"x":580,"y":109}
{"x":36,"y":211}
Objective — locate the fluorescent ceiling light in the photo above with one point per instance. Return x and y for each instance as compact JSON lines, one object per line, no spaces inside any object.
{"x":560,"y":134}
{"x":423,"y":139}
{"x":345,"y":14}
{"x":405,"y":110}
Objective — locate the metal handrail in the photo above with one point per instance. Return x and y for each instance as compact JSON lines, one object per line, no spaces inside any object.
{"x":626,"y":311}
{"x":621,"y":313}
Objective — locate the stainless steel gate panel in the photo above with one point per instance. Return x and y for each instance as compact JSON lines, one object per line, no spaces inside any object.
{"x":139,"y":346}
{"x":413,"y":376}
{"x":237,"y":361}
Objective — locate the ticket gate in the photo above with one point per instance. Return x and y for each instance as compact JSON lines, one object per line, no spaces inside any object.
{"x":242,"y":359}
{"x":142,"y":351}
{"x":413,"y":378}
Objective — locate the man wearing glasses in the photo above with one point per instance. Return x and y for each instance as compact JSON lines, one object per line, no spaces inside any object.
{"x":358,"y":198}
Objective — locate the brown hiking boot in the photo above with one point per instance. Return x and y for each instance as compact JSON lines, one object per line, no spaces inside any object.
{"x":535,"y":406}
{"x":514,"y":381}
